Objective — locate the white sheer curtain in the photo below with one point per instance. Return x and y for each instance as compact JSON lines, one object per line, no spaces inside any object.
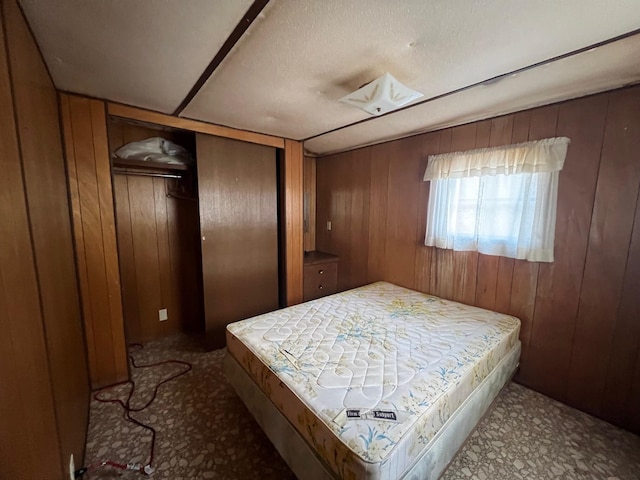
{"x":497,"y":201}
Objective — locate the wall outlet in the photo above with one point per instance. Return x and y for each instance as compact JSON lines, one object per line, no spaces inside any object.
{"x":329,"y":225}
{"x":72,"y":468}
{"x":163,"y":315}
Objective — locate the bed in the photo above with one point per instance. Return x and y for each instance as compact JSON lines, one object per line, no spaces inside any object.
{"x":378,"y":382}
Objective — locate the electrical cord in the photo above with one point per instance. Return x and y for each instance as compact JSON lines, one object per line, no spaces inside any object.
{"x":147,"y":468}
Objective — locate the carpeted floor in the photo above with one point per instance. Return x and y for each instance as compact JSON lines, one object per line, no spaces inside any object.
{"x":204,"y":431}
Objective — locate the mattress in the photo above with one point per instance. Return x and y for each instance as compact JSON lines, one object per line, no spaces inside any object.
{"x":368,"y":377}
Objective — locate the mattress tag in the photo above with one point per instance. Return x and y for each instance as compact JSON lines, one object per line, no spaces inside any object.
{"x":349,"y":414}
{"x":384,"y":415}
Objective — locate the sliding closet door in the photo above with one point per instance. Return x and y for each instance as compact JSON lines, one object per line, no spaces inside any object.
{"x":237,"y":186}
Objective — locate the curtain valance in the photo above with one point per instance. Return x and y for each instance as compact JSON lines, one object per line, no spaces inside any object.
{"x":530,"y":157}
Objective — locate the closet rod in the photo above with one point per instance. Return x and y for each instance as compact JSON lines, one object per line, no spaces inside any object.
{"x":181,"y":197}
{"x":145,"y":174}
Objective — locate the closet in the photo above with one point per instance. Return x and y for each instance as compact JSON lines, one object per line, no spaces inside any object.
{"x":197,"y":241}
{"x":211,"y":242}
{"x":158,"y":236}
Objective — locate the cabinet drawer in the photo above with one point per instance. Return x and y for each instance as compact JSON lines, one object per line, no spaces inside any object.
{"x":320,"y":280}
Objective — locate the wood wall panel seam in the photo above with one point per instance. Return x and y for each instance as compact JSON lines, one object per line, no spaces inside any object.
{"x":542,"y":124}
{"x":95,"y":263}
{"x":89,"y":297}
{"x":39,"y":134}
{"x":126,"y":258}
{"x":78,"y":229}
{"x":161,"y":253}
{"x":100,"y":219}
{"x":402,"y":188}
{"x":521,"y":277}
{"x":74,"y":247}
{"x":632,"y":416}
{"x":424,"y":253}
{"x":618,"y":390}
{"x":134,"y":263}
{"x":309,"y":173}
{"x":30,"y":445}
{"x":611,"y":231}
{"x":560,"y":283}
{"x":294,"y":241}
{"x":106,"y":203}
{"x":20,"y":155}
{"x":94,"y":250}
{"x":94,"y":230}
{"x":378,"y":215}
{"x":584,"y":263}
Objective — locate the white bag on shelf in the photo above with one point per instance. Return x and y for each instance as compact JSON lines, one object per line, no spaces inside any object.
{"x":155,"y":149}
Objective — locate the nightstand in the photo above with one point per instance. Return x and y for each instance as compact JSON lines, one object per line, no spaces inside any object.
{"x":320,"y":275}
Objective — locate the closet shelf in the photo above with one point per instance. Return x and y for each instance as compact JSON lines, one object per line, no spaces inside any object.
{"x":143,"y":164}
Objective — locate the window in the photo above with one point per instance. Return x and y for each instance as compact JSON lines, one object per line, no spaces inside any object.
{"x":497,"y":201}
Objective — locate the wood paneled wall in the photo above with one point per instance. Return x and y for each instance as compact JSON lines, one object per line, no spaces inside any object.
{"x":293,"y":220}
{"x":309,"y":174}
{"x":580,"y":314}
{"x":43,"y":370}
{"x":89,"y":172}
{"x":158,"y":245}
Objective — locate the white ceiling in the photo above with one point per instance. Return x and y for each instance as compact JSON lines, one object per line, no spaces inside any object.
{"x":285,"y":75}
{"x":601,"y":69}
{"x":146,"y":53}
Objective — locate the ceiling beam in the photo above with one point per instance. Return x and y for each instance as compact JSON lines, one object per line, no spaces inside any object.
{"x":243,"y":25}
{"x":484,"y":82}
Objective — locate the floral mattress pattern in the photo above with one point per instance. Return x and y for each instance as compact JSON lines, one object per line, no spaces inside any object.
{"x":370,"y":375}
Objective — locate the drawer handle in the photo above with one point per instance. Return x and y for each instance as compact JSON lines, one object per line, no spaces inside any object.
{"x":320,"y":287}
{"x":320,"y":271}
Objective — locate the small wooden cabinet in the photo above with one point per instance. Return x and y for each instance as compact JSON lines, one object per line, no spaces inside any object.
{"x":320,"y":275}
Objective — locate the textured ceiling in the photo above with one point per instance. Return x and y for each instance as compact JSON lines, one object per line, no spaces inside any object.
{"x":593,"y":71}
{"x":147,"y":53}
{"x":286,"y":73}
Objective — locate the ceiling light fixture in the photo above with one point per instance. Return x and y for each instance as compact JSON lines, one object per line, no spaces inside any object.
{"x":382,"y":95}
